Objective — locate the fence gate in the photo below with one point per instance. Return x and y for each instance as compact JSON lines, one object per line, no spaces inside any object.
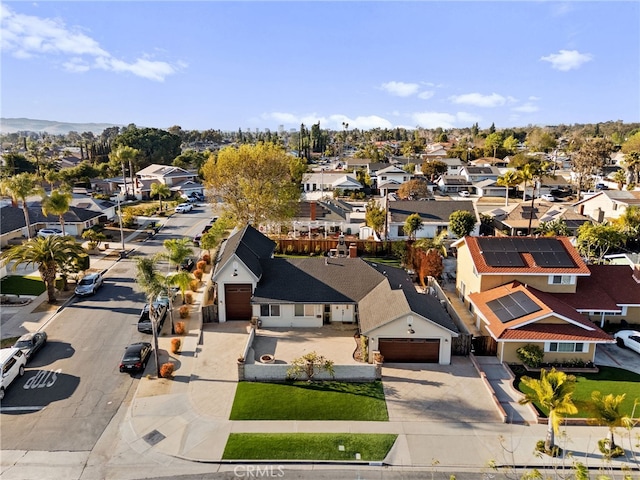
{"x":461,"y":345}
{"x":485,"y":346}
{"x":209,"y":313}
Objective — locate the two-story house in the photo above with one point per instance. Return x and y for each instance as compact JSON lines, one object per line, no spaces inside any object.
{"x":177,"y":179}
{"x":524,"y":290}
{"x":389,"y":179}
{"x":607,"y":204}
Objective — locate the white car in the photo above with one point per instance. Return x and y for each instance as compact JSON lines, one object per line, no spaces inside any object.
{"x":464,"y":193}
{"x":13,"y":361}
{"x":548,"y":197}
{"x":184,"y":207}
{"x":49,"y":232}
{"x":629,"y":339}
{"x":89,"y":284}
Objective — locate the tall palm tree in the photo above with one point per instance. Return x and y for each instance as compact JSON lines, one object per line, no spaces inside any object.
{"x":19,"y":187}
{"x":57,"y":203}
{"x":511,"y":178}
{"x":49,"y":254}
{"x":553,"y":392}
{"x":178,"y":250}
{"x":151,"y":283}
{"x":182,"y":280}
{"x":124,"y":154}
{"x":161,"y":191}
{"x":606,"y":410}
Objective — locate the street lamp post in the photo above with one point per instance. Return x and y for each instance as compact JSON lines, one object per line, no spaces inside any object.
{"x":121,"y":229}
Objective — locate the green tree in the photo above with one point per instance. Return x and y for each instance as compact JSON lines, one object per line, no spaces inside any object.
{"x":94,"y":237}
{"x":510,"y":179}
{"x":414,"y":189}
{"x":152,"y":284}
{"x":412,"y":224}
{"x":255,"y":183}
{"x":57,"y":203}
{"x":48,"y":253}
{"x":178,"y":250}
{"x":182,"y":280}
{"x":606,"y":411}
{"x":212,"y":238}
{"x":510,"y":145}
{"x":310,"y":365}
{"x":492,"y":143}
{"x":15,"y":163}
{"x":553,"y":392}
{"x":161,"y":191}
{"x":19,"y":187}
{"x":589,"y":160}
{"x":620,"y":177}
{"x":557,"y":228}
{"x":629,"y":222}
{"x":539,"y":140}
{"x":596,"y":240}
{"x":155,"y":145}
{"x":121,"y":156}
{"x":462,"y":223}
{"x":433,"y":169}
{"x":375,"y":217}
{"x":631,"y":150}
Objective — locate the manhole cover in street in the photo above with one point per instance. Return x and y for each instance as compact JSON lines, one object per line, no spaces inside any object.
{"x":154,"y":437}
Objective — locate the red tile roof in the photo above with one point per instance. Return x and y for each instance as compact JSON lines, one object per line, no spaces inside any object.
{"x":530,"y":266}
{"x":554,"y":332}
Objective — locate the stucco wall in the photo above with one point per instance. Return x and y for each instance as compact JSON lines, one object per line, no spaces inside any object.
{"x":225,"y":276}
{"x":278,"y":373}
{"x":539,"y":281}
{"x":287,"y":317}
{"x":507,"y":353}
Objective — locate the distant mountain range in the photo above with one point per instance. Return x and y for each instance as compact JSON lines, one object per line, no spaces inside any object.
{"x":12,"y":125}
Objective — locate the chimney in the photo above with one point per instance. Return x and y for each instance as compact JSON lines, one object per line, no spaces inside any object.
{"x":313,"y":211}
{"x":353,"y":251}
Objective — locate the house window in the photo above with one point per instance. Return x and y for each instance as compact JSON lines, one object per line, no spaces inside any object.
{"x":269,"y":310}
{"x":304,"y":310}
{"x":401,"y":231}
{"x":565,"y":347}
{"x":561,"y":280}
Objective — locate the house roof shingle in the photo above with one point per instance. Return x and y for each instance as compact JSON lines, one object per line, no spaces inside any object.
{"x":249,"y":246}
{"x":438,"y":211}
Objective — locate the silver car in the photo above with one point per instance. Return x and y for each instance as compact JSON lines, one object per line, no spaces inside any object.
{"x":89,"y":284}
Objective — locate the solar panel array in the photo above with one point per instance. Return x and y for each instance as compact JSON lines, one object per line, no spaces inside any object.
{"x":506,"y":252}
{"x":513,"y":306}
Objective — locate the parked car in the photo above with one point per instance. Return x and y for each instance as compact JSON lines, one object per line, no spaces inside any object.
{"x":548,"y":197}
{"x":188,"y":264}
{"x":135,"y":357}
{"x":628,"y":339}
{"x":464,"y":193}
{"x":30,"y":343}
{"x":89,"y":284}
{"x":49,"y":232}
{"x":601,"y":186}
{"x":184,"y":207}
{"x":164,"y":297}
{"x":13,"y":362}
{"x":144,"y":322}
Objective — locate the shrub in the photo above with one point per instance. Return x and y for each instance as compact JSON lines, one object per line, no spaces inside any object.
{"x":289,"y":249}
{"x":201,"y":265}
{"x":188,"y":298}
{"x":193,"y":286}
{"x":198,"y":274}
{"x":184,"y":311}
{"x":206,"y":258}
{"x":166,"y":370}
{"x":530,"y":355}
{"x":175,"y":345}
{"x":180,"y":328}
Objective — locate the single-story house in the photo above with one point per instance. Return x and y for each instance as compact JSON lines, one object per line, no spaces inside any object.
{"x":434,"y":214}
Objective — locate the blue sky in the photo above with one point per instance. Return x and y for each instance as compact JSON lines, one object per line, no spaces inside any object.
{"x":259,"y":65}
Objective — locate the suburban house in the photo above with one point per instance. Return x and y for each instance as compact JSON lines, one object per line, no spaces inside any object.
{"x":607,"y":204}
{"x":454,"y":184}
{"x":434,"y":214}
{"x":177,"y":179}
{"x":544,"y":186}
{"x":328,"y":182}
{"x":490,"y":162}
{"x":389,"y":179}
{"x":453,"y":165}
{"x":514,"y":219}
{"x":478,"y":174}
{"x":526,"y":290}
{"x":106,"y":207}
{"x":398,"y":321}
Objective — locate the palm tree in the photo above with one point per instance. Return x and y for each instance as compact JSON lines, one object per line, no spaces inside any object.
{"x":557,"y":228}
{"x":57,"y":203}
{"x":182,"y":280}
{"x":553,"y":392}
{"x":122,"y":155}
{"x":161,"y":191}
{"x":606,"y":410}
{"x":19,"y":187}
{"x":49,"y":254}
{"x":511,"y":178}
{"x":151,"y":283}
{"x":178,"y":250}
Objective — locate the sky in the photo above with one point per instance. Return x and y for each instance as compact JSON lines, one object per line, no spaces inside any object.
{"x":269,"y":65}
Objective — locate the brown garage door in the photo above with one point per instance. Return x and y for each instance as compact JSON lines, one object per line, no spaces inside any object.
{"x":410,"y":350}
{"x":238,"y":298}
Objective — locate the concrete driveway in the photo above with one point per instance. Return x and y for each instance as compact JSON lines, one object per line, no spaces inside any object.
{"x":611,"y":355}
{"x":437,"y":393}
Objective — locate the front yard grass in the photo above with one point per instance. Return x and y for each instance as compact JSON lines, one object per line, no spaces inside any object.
{"x":608,"y":380}
{"x":309,"y":401}
{"x":307,"y":446}
{"x":22,"y":285}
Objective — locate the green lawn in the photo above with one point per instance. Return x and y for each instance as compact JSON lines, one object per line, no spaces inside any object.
{"x":16,"y":284}
{"x":608,"y":380}
{"x":307,"y":446}
{"x":394,"y":262}
{"x":309,"y":401}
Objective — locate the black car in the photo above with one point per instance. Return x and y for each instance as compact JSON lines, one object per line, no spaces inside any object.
{"x":159,"y":315}
{"x":30,"y":343}
{"x":135,"y":357}
{"x":187,"y":264}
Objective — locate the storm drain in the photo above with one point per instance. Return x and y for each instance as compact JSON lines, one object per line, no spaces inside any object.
{"x":153,"y":437}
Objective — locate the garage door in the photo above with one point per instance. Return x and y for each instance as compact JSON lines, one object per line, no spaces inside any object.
{"x":238,"y":298}
{"x":410,"y":350}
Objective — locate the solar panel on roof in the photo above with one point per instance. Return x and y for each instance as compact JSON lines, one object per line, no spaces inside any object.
{"x":513,"y":306}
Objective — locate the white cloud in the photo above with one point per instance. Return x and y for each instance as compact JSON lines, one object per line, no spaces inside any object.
{"x":426,"y":95}
{"x":333,"y":122}
{"x":434,"y":119}
{"x":27,"y":36}
{"x":479,"y":100}
{"x":527,"y":107}
{"x":566,"y":60}
{"x":533,"y":98}
{"x":401,"y":89}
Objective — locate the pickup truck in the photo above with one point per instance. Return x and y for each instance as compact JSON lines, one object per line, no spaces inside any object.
{"x":159,"y":314}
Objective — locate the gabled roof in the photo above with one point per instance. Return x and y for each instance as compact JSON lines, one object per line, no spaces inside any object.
{"x":535,"y":326}
{"x":249,"y":246}
{"x":390,"y":170}
{"x":438,"y":211}
{"x":164,"y":171}
{"x":11,"y":219}
{"x":476,"y":170}
{"x":618,"y":196}
{"x":517,"y":215}
{"x":454,"y":180}
{"x":529,"y":266}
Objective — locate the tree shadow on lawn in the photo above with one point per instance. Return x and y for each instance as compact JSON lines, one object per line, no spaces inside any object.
{"x":372,"y":390}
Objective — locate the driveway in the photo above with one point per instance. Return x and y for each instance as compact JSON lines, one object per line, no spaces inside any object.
{"x":611,"y":355}
{"x":437,"y":393}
